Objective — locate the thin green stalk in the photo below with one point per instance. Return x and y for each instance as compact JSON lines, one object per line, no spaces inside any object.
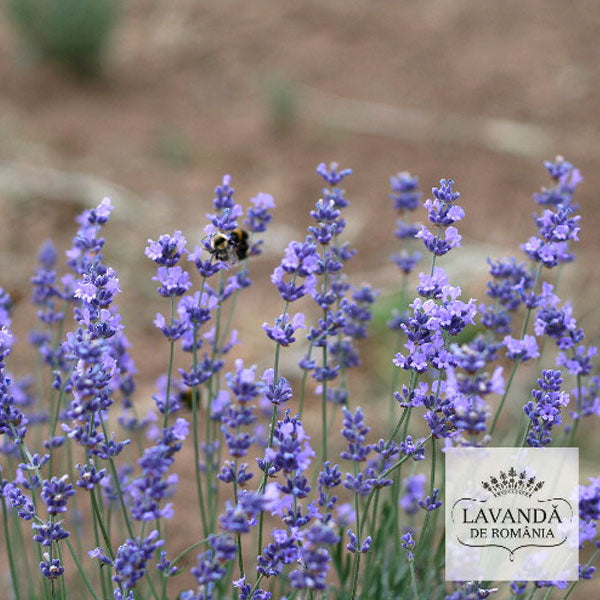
{"x":524,"y":437}
{"x":169,"y":372}
{"x":324,"y":382}
{"x":324,"y":409}
{"x":574,"y":583}
{"x":395,"y":380}
{"x":414,"y":377}
{"x":197,"y":472}
{"x":63,"y":587}
{"x":548,"y":594}
{"x":533,"y":593}
{"x":101,"y":524}
{"x":504,"y":396}
{"x":575,"y":425}
{"x":517,"y":362}
{"x":81,"y":570}
{"x":189,"y":549}
{"x":27,"y":458}
{"x":529,"y":310}
{"x":9,"y":551}
{"x":77,"y":525}
{"x":54,"y":419}
{"x":238,"y":536}
{"x":272,"y":425}
{"x":115,"y":477}
{"x":101,"y":576}
{"x":413,"y":580}
{"x":23,"y":553}
{"x":358,"y":553}
{"x":255,"y":587}
{"x":195,"y":398}
{"x":303,"y":383}
{"x":419,"y":547}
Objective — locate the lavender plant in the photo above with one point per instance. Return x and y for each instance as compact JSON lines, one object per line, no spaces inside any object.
{"x":284,"y":505}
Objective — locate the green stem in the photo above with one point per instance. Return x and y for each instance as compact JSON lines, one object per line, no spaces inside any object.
{"x":413,"y":580}
{"x":195,"y":398}
{"x":189,"y":549}
{"x":9,"y":551}
{"x":419,"y":545}
{"x":574,"y":583}
{"x":99,"y":565}
{"x":81,"y":569}
{"x":414,"y":377}
{"x":358,"y":552}
{"x":324,"y":382}
{"x":573,"y":431}
{"x":103,"y":529}
{"x":303,"y":384}
{"x":115,"y":477}
{"x":504,"y":396}
{"x":324,"y":408}
{"x":171,"y":352}
{"x":548,"y":593}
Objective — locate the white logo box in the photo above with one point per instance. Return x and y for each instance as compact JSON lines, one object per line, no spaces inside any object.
{"x":512,"y":514}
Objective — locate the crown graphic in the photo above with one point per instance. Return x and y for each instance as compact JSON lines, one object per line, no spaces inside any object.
{"x":511,"y":482}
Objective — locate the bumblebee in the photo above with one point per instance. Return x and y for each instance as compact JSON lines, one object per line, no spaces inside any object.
{"x":185,"y":398}
{"x":230,"y":247}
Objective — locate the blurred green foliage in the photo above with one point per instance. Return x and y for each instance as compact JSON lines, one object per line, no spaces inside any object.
{"x":73,"y":33}
{"x":173,"y":147}
{"x":281,"y":97}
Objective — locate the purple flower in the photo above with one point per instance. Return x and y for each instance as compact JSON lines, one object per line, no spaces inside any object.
{"x":167,"y":250}
{"x":579,"y":363}
{"x":99,"y":554}
{"x":289,"y":290}
{"x":241,"y":517}
{"x":408,"y":543}
{"x":301,"y":258}
{"x":276,"y":392}
{"x":247,"y":592}
{"x":431,"y":502}
{"x":522,"y":350}
{"x":332,"y":174}
{"x":440,"y":246}
{"x":132,"y":557}
{"x":89,"y":476}
{"x":291,"y":451}
{"x":174,"y":281}
{"x":565,"y":177}
{"x":409,"y":448}
{"x":164,"y":566}
{"x":258,"y":214}
{"x":55,"y":493}
{"x":471,"y":591}
{"x":284,"y":328}
{"x":314,"y":558}
{"x":51,"y":568}
{"x":17,"y":500}
{"x":431,"y":286}
{"x":544,"y":411}
{"x":47,"y":533}
{"x":414,"y":487}
{"x":355,"y":431}
{"x":406,"y":261}
{"x":405,"y":192}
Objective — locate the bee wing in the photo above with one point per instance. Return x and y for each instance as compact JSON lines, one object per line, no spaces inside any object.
{"x":232,"y":257}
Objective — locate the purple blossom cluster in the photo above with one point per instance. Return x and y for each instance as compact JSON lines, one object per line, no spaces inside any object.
{"x":272,"y":512}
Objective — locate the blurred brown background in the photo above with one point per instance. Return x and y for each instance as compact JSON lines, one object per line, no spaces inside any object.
{"x":481,"y":92}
